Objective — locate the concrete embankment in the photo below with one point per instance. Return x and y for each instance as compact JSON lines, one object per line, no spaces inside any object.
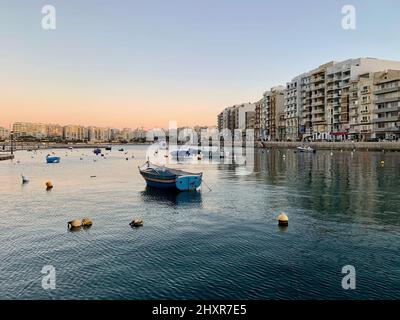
{"x":366,"y":146}
{"x":6,"y":157}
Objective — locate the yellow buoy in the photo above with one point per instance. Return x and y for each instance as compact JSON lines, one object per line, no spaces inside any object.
{"x":76,"y":223}
{"x":136,"y":223}
{"x":382,"y":162}
{"x":283,"y":219}
{"x":86,"y":222}
{"x":49,"y":185}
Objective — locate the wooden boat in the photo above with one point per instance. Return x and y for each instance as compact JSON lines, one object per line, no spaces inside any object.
{"x":52,"y":159}
{"x":167,"y":178}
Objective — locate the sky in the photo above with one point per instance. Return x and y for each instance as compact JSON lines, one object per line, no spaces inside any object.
{"x":121,"y":63}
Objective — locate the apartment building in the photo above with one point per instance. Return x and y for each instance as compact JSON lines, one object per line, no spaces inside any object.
{"x":4,"y":133}
{"x":27,"y":129}
{"x":361,"y":107}
{"x":54,"y":131}
{"x":386,"y":120}
{"x":274,"y":101}
{"x":220,"y":121}
{"x":259,"y":121}
{"x":75,"y":133}
{"x":292,"y":111}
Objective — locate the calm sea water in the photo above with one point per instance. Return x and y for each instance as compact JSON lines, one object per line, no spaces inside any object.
{"x":221,"y":244}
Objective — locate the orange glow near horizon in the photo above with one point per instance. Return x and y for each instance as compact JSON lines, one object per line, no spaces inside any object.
{"x":102,"y":110}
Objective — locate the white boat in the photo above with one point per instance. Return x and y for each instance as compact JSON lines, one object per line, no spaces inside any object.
{"x":305,"y":149}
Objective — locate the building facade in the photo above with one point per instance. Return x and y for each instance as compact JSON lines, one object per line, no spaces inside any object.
{"x":386,"y":120}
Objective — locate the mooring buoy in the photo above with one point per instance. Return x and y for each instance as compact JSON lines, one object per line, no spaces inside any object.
{"x":283,"y":219}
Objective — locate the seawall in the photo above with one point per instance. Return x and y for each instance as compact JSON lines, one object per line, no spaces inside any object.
{"x":366,"y":146}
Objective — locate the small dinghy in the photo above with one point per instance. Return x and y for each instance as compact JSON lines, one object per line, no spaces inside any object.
{"x":167,"y":178}
{"x":52,"y":159}
{"x":97,"y":151}
{"x":305,"y":149}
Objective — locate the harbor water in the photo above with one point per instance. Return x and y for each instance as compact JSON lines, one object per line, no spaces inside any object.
{"x":343,"y":209}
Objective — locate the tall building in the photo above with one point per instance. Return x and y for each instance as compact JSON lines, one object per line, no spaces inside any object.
{"x":242,"y":110}
{"x":386,"y":119}
{"x":220,"y":121}
{"x":259,"y":120}
{"x":54,"y":131}
{"x":75,"y":133}
{"x":361,"y":107}
{"x":27,"y":129}
{"x":273,"y":108}
{"x":293,"y":105}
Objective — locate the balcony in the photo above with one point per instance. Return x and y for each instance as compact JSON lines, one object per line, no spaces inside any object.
{"x":388,"y":129}
{"x":392,"y":109}
{"x":318,"y":103}
{"x":387,"y":90}
{"x":364,"y":111}
{"x":367,"y":101}
{"x":387,"y":99}
{"x":318,"y":111}
{"x":318,"y":79}
{"x":387,"y":119}
{"x":365,"y":91}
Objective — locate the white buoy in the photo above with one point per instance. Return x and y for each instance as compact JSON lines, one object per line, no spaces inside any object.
{"x":331,"y":153}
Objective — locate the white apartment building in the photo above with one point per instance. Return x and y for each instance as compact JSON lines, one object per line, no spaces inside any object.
{"x":27,"y":129}
{"x":292,"y":107}
{"x":75,"y":133}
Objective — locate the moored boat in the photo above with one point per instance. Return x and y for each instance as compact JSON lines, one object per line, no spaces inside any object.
{"x":108,"y":148}
{"x":167,"y":178}
{"x":52,"y":159}
{"x":305,"y":149}
{"x":97,"y":151}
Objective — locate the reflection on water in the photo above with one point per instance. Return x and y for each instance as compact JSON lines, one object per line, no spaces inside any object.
{"x":171,"y":197}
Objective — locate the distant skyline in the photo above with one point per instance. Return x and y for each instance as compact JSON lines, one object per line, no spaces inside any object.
{"x":142,"y":63}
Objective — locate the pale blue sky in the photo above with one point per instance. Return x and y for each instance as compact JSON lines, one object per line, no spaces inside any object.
{"x":173,"y":59}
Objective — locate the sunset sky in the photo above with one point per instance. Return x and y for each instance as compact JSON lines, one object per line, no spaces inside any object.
{"x":143,"y":63}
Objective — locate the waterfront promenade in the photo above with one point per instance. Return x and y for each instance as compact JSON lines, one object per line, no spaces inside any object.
{"x":6,"y":157}
{"x":366,"y":146}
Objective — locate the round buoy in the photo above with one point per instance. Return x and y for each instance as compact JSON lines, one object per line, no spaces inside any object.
{"x":382,"y":162}
{"x":49,"y":185}
{"x":136,"y":223}
{"x":76,"y":223}
{"x":283,"y":219}
{"x":86,"y":222}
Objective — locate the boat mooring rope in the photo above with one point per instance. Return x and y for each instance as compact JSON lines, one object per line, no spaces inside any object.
{"x":209,"y":189}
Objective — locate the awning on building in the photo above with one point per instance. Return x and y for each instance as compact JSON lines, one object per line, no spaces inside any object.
{"x":339,"y":133}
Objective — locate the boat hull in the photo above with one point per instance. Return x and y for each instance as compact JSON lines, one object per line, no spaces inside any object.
{"x":164,"y":178}
{"x":53,"y":159}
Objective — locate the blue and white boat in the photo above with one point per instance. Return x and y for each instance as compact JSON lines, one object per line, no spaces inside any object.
{"x":52,"y":159}
{"x":167,"y":178}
